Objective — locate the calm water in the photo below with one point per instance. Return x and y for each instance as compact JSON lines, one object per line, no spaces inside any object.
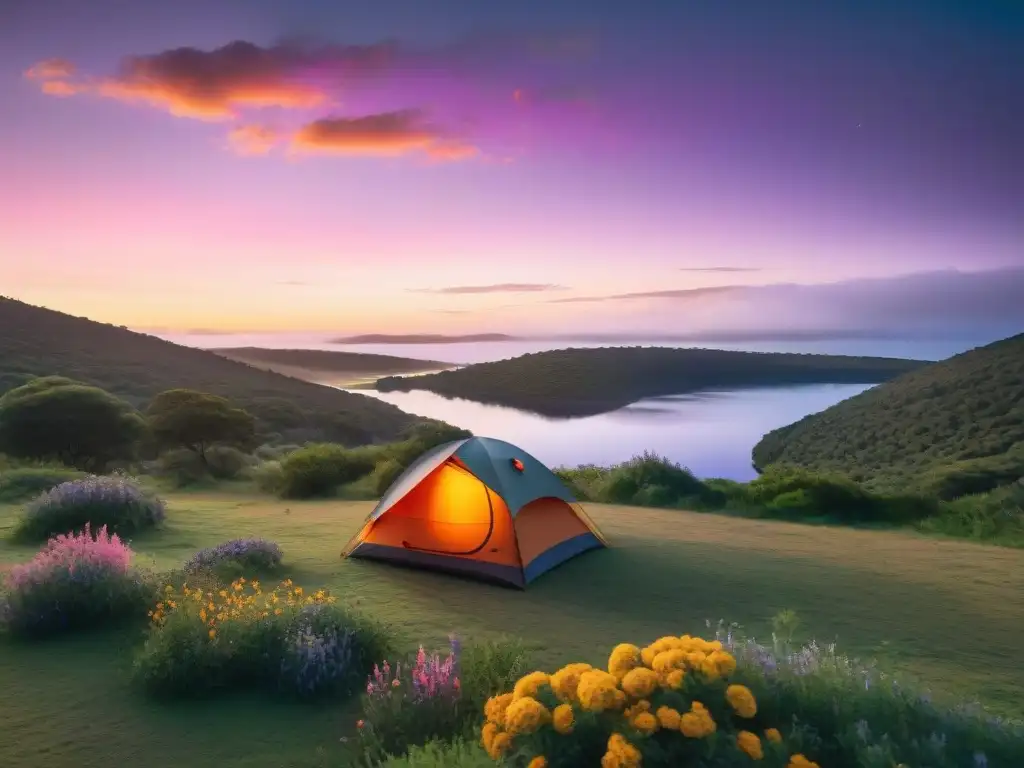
{"x":711,"y":433}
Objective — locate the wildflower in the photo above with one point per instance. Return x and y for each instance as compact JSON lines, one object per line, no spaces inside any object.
{"x":360,"y":724}
{"x":773,"y":735}
{"x":620,"y":754}
{"x":563,"y":720}
{"x":528,"y":685}
{"x":668,"y":718}
{"x":500,"y":744}
{"x":639,"y":682}
{"x":697,"y":723}
{"x":597,"y":690}
{"x":623,"y":658}
{"x":741,"y":700}
{"x":212,"y":633}
{"x":494,"y":709}
{"x":749,"y":744}
{"x":646,"y":723}
{"x":799,"y":761}
{"x":525,"y":715}
{"x":565,"y":681}
{"x":538,"y":762}
{"x":675,"y":679}
{"x":487,"y":734}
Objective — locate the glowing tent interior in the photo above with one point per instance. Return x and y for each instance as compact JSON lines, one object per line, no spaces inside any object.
{"x":480,"y":507}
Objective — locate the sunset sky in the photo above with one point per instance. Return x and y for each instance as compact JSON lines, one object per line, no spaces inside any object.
{"x":431,"y":165}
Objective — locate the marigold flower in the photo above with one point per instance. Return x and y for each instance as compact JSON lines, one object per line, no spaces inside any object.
{"x":565,"y":681}
{"x":528,"y":685}
{"x":487,"y":734}
{"x":750,"y":744}
{"x":620,"y":754}
{"x":499,"y":745}
{"x":668,"y":718}
{"x":697,"y":723}
{"x":646,"y":723}
{"x":212,"y":633}
{"x":525,"y":715}
{"x":640,"y":682}
{"x":538,"y":762}
{"x":597,"y":690}
{"x":563,"y":719}
{"x":799,"y":761}
{"x":624,"y":657}
{"x":724,"y":661}
{"x":741,"y":700}
{"x":773,"y":735}
{"x":494,"y":709}
{"x":675,"y":679}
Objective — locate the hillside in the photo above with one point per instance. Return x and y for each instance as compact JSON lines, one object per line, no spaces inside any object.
{"x":329,"y":367}
{"x":954,"y":427}
{"x":421,"y":338}
{"x":580,"y":382}
{"x":36,"y":342}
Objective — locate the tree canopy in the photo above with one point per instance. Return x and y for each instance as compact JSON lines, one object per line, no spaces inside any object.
{"x":185,"y":418}
{"x":58,"y":418}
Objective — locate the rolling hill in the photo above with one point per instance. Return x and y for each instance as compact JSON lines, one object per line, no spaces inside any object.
{"x":581,"y":382}
{"x":35,"y":342}
{"x":329,"y":367}
{"x":953,"y":427}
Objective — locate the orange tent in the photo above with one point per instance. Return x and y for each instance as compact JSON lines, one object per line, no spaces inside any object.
{"x":480,"y":507}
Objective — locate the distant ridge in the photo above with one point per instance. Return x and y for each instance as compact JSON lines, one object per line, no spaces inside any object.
{"x":422,"y":338}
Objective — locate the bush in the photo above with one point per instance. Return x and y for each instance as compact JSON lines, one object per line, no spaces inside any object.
{"x":76,"y":581}
{"x":320,"y":469}
{"x":23,"y":483}
{"x":385,"y":474}
{"x":269,"y":476}
{"x":237,"y":557}
{"x":227,"y":463}
{"x":432,"y":697}
{"x":281,"y":640}
{"x":439,"y":754}
{"x":996,"y":516}
{"x":182,"y":467}
{"x":652,"y":480}
{"x":685,"y":701}
{"x":110,"y":501}
{"x":271,"y":452}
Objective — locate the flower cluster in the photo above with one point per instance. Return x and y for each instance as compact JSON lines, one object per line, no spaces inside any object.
{"x":114,"y":501}
{"x":75,"y":579}
{"x":657,"y":705}
{"x":250,"y":554}
{"x":316,"y":654}
{"x":241,"y":601}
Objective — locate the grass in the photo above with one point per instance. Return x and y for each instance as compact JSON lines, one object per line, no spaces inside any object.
{"x":584,"y":382}
{"x":135,"y":366}
{"x":949,"y":613}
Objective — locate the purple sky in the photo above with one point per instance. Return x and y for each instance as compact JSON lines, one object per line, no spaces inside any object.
{"x":344,"y":166}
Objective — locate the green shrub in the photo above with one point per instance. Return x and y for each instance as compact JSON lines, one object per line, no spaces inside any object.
{"x":430,"y":697}
{"x":112,"y":501}
{"x":182,"y":467}
{"x":584,"y":481}
{"x":320,"y":469}
{"x":226,"y":462}
{"x":268,"y":452}
{"x":997,"y":516}
{"x":269,"y":476}
{"x":653,"y":480}
{"x":18,"y":484}
{"x":385,"y":474}
{"x":974,"y":476}
{"x":280,"y":640}
{"x":440,"y":754}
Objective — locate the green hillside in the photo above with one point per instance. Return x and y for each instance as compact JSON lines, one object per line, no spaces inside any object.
{"x":581,"y":382}
{"x":36,"y":342}
{"x":954,"y":427}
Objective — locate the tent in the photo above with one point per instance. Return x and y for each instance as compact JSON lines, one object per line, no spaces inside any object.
{"x":480,"y":507}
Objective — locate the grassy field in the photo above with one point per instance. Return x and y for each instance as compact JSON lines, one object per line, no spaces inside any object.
{"x":949,"y":613}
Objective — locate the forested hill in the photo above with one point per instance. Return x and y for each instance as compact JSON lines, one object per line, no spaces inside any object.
{"x":577,"y":382}
{"x":954,"y":427}
{"x":36,"y":342}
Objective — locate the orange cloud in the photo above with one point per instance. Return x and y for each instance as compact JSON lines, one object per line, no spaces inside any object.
{"x":253,"y":139}
{"x":61,"y":88}
{"x":50,"y":69}
{"x":388,"y":134}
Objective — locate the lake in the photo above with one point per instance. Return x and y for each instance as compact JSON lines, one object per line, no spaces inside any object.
{"x":712,"y":433}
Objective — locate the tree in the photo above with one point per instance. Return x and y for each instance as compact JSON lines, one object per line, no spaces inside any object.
{"x":80,"y":425}
{"x":184,"y":418}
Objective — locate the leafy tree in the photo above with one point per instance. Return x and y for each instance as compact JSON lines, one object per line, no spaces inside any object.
{"x":184,"y":418}
{"x":57,"y":418}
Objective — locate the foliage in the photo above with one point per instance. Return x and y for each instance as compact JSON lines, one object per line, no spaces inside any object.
{"x":951,"y":428}
{"x":268,"y":476}
{"x":432,"y":697}
{"x":997,"y":516}
{"x":202,"y":641}
{"x":581,"y":382}
{"x":184,"y":418}
{"x":79,"y":425}
{"x":652,"y":480}
{"x":319,"y":469}
{"x":20,"y":483}
{"x":459,"y":753}
{"x":184,"y":467}
{"x":687,"y":701}
{"x":136,"y":366}
{"x":113,"y":501}
{"x":240,"y":555}
{"x":385,"y":473}
{"x":422,"y":438}
{"x":76,"y":581}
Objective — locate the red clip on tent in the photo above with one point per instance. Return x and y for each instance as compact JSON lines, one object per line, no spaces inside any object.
{"x":480,"y":507}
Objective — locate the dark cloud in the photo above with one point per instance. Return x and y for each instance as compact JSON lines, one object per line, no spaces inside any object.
{"x":389,"y":134}
{"x":454,"y":290}
{"x":678,"y":293}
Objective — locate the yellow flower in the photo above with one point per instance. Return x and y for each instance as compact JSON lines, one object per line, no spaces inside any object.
{"x":487,"y":734}
{"x":666,"y":661}
{"x":741,"y":700}
{"x":494,"y":709}
{"x":202,"y":615}
{"x":709,"y":669}
{"x":562,"y":719}
{"x":649,"y":653}
{"x":298,"y":590}
{"x":624,"y":657}
{"x":668,"y":718}
{"x":675,"y":679}
{"x":525,"y":715}
{"x":799,"y":761}
{"x":255,"y":585}
{"x":697,"y":723}
{"x":528,"y":685}
{"x":223,"y":593}
{"x":773,"y":735}
{"x":538,"y":762}
{"x":640,"y":682}
{"x":750,"y":744}
{"x":565,"y":681}
{"x":499,"y":745}
{"x":278,"y":611}
{"x":724,"y":661}
{"x":597,"y":690}
{"x":620,"y":754}
{"x":646,"y":723}
{"x":168,"y":589}
{"x":212,"y":633}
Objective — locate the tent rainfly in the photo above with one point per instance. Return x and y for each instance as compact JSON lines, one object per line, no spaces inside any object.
{"x":479,"y":507}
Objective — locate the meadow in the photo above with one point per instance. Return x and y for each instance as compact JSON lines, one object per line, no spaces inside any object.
{"x":947,"y":614}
